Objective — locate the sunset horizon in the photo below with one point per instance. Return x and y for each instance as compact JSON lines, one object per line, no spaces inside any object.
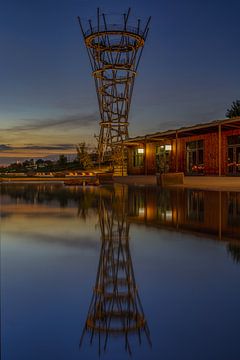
{"x":48,"y":98}
{"x":120,"y":180}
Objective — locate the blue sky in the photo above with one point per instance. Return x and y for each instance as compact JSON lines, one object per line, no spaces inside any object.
{"x":189,"y":71}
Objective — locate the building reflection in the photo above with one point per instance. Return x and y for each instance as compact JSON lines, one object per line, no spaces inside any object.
{"x":208,"y":212}
{"x":115,"y":309}
{"x":212,"y":213}
{"x":234,"y":251}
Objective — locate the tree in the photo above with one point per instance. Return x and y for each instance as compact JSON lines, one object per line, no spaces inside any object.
{"x":117,"y":156}
{"x":234,"y":111}
{"x":28,"y":163}
{"x":39,"y":163}
{"x":62,"y":160}
{"x":83,"y":156}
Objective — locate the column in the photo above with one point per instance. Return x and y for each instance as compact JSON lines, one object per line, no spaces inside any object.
{"x":176,"y":157}
{"x":219,"y":150}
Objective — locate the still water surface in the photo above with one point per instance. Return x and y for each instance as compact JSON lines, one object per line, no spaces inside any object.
{"x":122,"y":270}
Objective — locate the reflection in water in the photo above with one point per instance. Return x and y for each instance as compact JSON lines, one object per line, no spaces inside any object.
{"x":115,"y":308}
{"x":213,"y":214}
{"x":234,"y":251}
{"x":50,"y":243}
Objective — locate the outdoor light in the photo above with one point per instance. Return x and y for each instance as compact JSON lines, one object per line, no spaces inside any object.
{"x":168,"y":147}
{"x":168,"y":214}
{"x":140,"y":151}
{"x":141,"y":211}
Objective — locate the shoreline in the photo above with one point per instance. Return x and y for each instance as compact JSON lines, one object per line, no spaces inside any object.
{"x":208,"y":183}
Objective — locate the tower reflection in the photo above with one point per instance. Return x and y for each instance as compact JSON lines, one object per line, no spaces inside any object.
{"x":115,"y":308}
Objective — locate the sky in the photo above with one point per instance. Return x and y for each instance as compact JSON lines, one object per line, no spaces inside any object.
{"x":189,"y":72}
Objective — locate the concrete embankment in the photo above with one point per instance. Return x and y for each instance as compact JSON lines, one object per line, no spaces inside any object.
{"x":223,"y":183}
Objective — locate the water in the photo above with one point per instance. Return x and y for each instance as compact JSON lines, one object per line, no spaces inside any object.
{"x":161,"y":267}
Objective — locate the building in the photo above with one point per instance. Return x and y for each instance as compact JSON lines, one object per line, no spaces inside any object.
{"x":204,"y":149}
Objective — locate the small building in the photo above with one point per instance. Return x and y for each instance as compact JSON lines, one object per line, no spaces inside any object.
{"x":204,"y":149}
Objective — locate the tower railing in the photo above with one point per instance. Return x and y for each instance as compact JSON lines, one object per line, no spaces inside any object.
{"x":114,"y":27}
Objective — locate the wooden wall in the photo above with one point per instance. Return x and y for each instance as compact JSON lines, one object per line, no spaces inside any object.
{"x":211,"y":154}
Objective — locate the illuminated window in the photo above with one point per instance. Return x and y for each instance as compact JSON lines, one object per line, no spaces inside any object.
{"x":233,"y":155}
{"x":195,"y":157}
{"x":138,"y":157}
{"x":168,"y":147}
{"x":163,"y":157}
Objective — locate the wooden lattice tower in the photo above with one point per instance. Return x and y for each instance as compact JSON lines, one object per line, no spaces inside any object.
{"x":114,"y":51}
{"x":115,"y":308}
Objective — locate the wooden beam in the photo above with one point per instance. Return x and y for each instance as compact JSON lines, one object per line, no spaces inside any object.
{"x":232,"y":126}
{"x":176,"y":157}
{"x":220,"y":215}
{"x":219,"y":150}
{"x":145,"y":156}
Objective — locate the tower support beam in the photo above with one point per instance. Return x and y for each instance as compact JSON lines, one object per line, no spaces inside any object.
{"x":114,"y":51}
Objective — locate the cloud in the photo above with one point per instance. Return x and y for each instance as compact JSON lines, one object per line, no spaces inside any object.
{"x":77,"y":241}
{"x":5,"y":147}
{"x":46,"y":147}
{"x":64,"y":239}
{"x":66,"y":122}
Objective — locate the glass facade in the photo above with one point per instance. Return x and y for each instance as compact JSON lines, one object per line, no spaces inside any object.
{"x":233,"y":155}
{"x":138,"y":158}
{"x":195,"y":157}
{"x":163,"y":158}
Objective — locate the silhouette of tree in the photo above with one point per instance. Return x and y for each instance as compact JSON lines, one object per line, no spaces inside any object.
{"x":234,"y":111}
{"x":62,"y":160}
{"x":83,"y":156}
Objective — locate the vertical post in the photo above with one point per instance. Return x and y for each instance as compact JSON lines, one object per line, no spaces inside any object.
{"x":176,"y":157}
{"x":177,"y":207}
{"x":145,"y":155}
{"x":220,"y":215}
{"x":98,"y":15}
{"x":219,"y":150}
{"x":122,"y":155}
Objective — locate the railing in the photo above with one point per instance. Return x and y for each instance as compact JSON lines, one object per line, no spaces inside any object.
{"x":114,"y":27}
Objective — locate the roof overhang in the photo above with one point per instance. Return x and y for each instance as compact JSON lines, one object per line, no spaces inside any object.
{"x":214,"y":126}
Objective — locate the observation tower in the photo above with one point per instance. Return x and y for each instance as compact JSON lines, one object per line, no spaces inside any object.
{"x":114,"y":51}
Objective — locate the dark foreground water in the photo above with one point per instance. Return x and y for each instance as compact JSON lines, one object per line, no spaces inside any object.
{"x":129,"y":270}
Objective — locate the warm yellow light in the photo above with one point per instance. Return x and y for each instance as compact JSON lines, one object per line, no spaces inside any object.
{"x":140,"y":151}
{"x":168,"y":147}
{"x":141,"y":211}
{"x":168,"y":214}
